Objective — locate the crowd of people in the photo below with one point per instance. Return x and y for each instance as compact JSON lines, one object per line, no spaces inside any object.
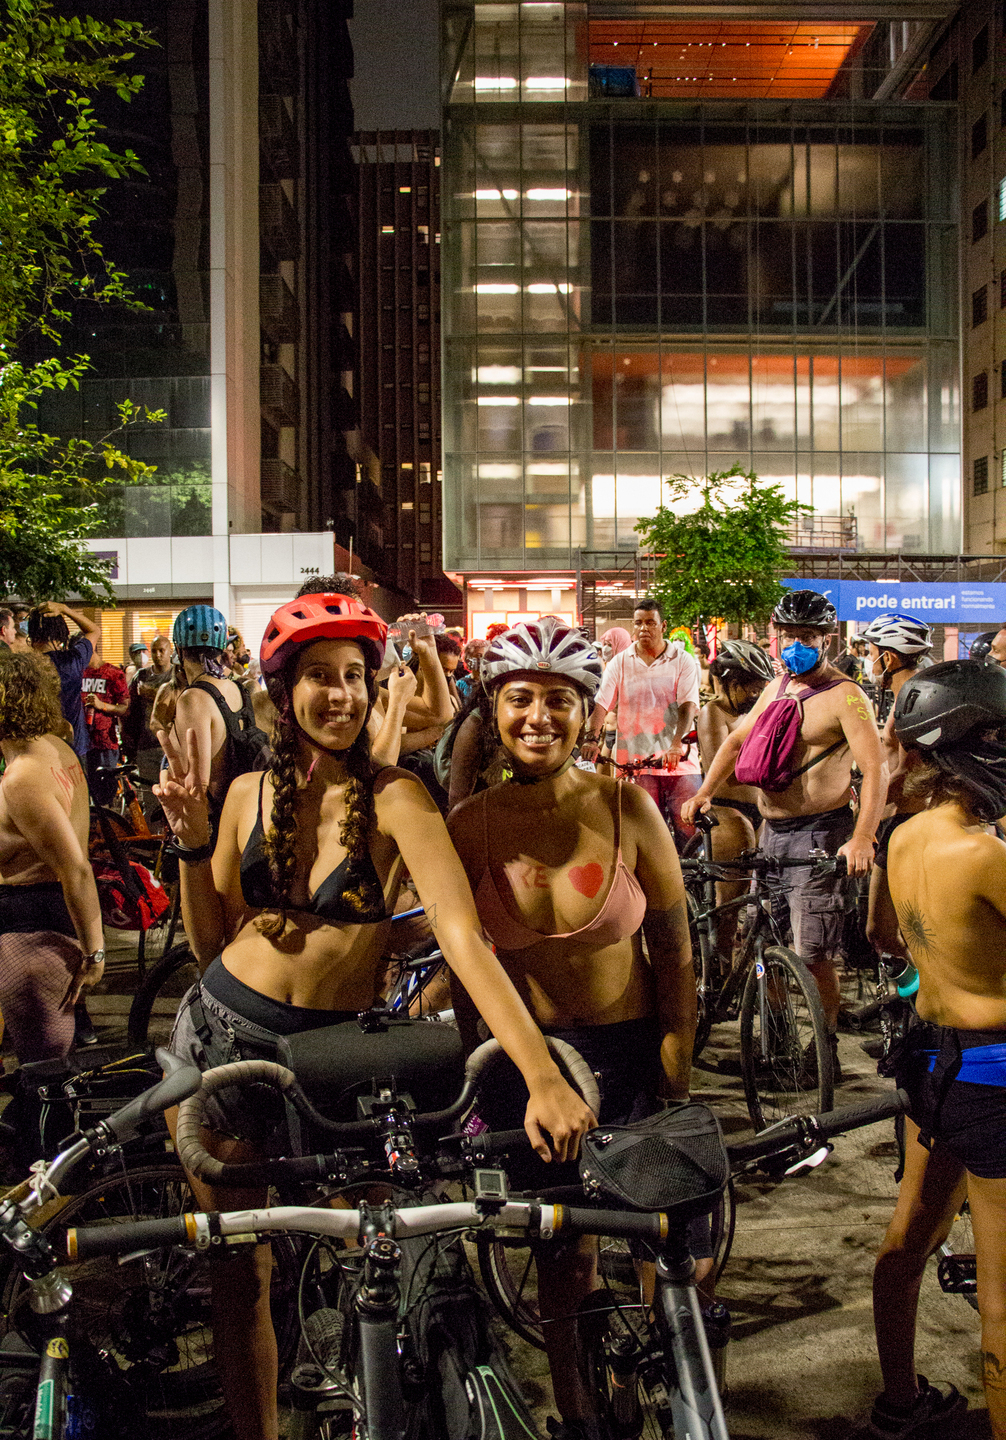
{"x":534,"y":789}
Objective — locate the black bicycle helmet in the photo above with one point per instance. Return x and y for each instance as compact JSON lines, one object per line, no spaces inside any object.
{"x":939,"y":707}
{"x":982,"y":644}
{"x":806,"y":608}
{"x":743,"y":660}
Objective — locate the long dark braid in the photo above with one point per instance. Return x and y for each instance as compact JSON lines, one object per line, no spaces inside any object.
{"x":354,"y":832}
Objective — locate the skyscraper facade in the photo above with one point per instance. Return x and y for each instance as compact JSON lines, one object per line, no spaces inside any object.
{"x":672,"y":244}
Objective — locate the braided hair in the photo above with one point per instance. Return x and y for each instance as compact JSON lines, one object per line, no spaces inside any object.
{"x":354,"y":833}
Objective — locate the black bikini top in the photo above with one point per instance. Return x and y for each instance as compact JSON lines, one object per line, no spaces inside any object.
{"x":328,"y":902}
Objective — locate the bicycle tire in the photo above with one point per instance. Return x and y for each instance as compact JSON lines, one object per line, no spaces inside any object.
{"x":155,"y":1305}
{"x":168,"y":979}
{"x":507,"y":1270}
{"x":785,"y":1076}
{"x":601,"y":1320}
{"x":705,"y":999}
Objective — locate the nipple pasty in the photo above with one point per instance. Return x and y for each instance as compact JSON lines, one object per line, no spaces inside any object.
{"x":587,"y":879}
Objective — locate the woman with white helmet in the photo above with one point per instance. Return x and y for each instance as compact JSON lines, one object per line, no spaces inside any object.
{"x":897,"y":644}
{"x":287,"y":918}
{"x":569,"y":870}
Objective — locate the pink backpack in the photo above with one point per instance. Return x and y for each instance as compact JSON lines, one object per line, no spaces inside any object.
{"x":766,"y":756}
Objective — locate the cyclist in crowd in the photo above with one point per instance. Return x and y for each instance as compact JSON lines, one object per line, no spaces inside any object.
{"x":51,"y":937}
{"x":105,"y":697}
{"x":287,"y":921}
{"x":613,"y":642}
{"x":739,"y":673}
{"x":139,"y":742}
{"x":138,"y":656}
{"x":897,"y":644}
{"x":10,"y":636}
{"x":947,"y":874}
{"x":569,"y":871}
{"x":981,"y":645}
{"x":216,"y":708}
{"x":813,"y":812}
{"x":49,"y":634}
{"x":655,"y":686}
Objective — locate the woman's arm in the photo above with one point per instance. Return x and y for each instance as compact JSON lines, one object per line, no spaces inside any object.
{"x":35,"y":810}
{"x":211,"y":886}
{"x":665,"y":930}
{"x":406,"y":813}
{"x":387,"y":744}
{"x":194,"y":719}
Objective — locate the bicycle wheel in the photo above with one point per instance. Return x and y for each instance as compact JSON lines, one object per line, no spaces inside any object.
{"x":160,"y":991}
{"x":613,"y":1338}
{"x":150,"y":1312}
{"x":786,"y":1059}
{"x":508,"y":1272}
{"x":704,"y":1021}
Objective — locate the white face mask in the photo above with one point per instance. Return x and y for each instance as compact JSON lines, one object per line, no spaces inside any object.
{"x":606,"y":653}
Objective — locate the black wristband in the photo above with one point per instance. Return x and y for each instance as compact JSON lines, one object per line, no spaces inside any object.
{"x":192,"y":857}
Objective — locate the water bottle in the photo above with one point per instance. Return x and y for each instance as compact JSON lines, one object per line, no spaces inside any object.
{"x":902,"y":974}
{"x":717,"y":1322}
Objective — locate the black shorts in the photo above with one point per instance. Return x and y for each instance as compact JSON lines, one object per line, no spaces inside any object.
{"x":967,"y":1118}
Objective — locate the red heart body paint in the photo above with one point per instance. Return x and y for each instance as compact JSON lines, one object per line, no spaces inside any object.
{"x":587,"y":879}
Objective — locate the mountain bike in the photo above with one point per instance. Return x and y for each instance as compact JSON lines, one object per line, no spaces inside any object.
{"x":786,"y":1060}
{"x":381,"y":1356}
{"x":138,"y":1334}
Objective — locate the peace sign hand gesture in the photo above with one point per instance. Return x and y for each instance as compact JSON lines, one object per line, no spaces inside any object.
{"x":183,"y":798}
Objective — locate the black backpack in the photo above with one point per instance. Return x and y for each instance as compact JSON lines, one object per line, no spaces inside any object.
{"x":247,"y":746}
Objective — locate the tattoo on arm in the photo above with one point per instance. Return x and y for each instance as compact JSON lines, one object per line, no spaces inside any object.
{"x":914,"y":928}
{"x":431,"y":916}
{"x":993,"y":1371}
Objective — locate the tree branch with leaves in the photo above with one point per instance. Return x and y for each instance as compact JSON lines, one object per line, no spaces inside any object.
{"x":725,"y":557}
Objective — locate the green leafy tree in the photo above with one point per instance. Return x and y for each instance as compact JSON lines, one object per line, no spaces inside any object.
{"x":54,"y":171}
{"x":725,"y":557}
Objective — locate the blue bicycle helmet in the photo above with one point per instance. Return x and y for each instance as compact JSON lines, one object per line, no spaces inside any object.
{"x":200,"y":626}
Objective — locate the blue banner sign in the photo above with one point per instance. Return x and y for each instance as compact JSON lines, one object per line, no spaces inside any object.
{"x":973,"y":603}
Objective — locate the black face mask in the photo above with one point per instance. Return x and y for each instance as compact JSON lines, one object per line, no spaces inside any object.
{"x":746,"y":705}
{"x":981,"y":764}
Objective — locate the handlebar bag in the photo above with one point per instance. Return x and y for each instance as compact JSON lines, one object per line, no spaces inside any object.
{"x":673,"y":1161}
{"x":766,"y":757}
{"x":423,"y":1057}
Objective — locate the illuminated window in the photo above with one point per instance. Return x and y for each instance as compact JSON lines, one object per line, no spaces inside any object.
{"x":387,"y":229}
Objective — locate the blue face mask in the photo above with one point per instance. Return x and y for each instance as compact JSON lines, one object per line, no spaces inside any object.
{"x":799,"y":659}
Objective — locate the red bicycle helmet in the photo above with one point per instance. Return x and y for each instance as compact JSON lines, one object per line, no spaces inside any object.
{"x":321,"y":617}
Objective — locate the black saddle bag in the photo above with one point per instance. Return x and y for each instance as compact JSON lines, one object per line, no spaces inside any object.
{"x":673,"y":1161}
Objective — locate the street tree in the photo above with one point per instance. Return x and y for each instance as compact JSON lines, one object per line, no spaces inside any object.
{"x":55,"y":168}
{"x":724,"y":555}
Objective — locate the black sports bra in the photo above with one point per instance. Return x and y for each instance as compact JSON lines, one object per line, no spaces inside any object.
{"x":328,"y":902}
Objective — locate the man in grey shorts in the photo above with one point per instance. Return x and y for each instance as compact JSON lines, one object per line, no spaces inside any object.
{"x":814,"y":812}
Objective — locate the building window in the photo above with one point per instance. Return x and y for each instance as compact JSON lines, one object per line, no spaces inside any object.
{"x":1004,"y":468}
{"x":1002,"y":108}
{"x":981,"y":482}
{"x":979,"y":136}
{"x":980,"y":306}
{"x":1002,"y":383}
{"x":1002,"y":198}
{"x":979,"y":49}
{"x":980,"y":221}
{"x":980,"y":390}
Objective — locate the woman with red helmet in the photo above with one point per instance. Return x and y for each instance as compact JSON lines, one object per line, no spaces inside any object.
{"x":287,"y":920}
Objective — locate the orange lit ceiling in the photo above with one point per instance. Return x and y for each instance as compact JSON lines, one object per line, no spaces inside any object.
{"x":726,"y":60}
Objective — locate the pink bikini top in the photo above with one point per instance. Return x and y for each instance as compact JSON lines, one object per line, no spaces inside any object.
{"x":620,"y":916}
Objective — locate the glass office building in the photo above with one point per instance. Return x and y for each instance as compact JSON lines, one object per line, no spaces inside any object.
{"x":668,"y":268}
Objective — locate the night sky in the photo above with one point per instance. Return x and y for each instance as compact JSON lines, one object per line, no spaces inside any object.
{"x":395,"y":45}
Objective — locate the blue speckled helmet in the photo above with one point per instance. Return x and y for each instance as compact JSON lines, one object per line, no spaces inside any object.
{"x":200,"y":625}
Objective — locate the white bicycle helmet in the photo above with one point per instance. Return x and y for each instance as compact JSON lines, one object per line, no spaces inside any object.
{"x":545,"y":647}
{"x":901,"y":633}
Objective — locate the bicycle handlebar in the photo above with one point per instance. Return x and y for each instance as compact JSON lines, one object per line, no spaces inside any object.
{"x":191,"y":1115}
{"x":802,"y":1130}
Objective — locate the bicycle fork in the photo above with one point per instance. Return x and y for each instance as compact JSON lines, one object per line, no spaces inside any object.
{"x":693,"y":1398}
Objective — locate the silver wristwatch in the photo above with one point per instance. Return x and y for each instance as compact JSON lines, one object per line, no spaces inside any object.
{"x":96,"y":957}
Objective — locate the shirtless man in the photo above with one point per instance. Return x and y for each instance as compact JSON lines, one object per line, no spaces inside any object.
{"x":947,"y":875}
{"x":897,"y":644}
{"x":739,"y":674}
{"x":814,"y":811}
